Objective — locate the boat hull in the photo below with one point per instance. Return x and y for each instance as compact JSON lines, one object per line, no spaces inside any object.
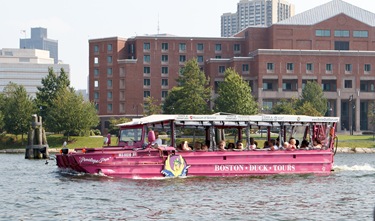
{"x":150,"y":163}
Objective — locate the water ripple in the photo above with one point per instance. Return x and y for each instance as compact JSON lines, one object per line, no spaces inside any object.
{"x":31,"y":190}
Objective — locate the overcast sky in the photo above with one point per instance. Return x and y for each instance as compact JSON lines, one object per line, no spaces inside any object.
{"x":74,"y":22}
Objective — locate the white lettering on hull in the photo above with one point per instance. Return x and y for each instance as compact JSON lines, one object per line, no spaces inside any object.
{"x":92,"y":160}
{"x":255,"y":168}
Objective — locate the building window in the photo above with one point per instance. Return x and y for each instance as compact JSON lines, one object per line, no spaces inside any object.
{"x":348,"y":84}
{"x":164,"y":94}
{"x":200,"y":59}
{"x":109,"y":95}
{"x":146,"y":82}
{"x":109,"y":59}
{"x":109,"y":83}
{"x":289,"y":66}
{"x":164,"y":82}
{"x":328,"y":67}
{"x":322,"y":33}
{"x":146,"y":70}
{"x":342,"y":33}
{"x":199,"y":47}
{"x":367,"y":67}
{"x":96,"y":83}
{"x":236,"y":47}
{"x":270,"y":67}
{"x":245,"y":68}
{"x":146,"y":46}
{"x":96,"y":60}
{"x":96,"y":48}
{"x":218,"y":56}
{"x":164,"y":46}
{"x":164,"y":70}
{"x":164,"y":58}
{"x":96,"y":71}
{"x":146,"y":58}
{"x":146,"y":94}
{"x":109,"y":47}
{"x":342,"y":45}
{"x":96,"y":95}
{"x":309,"y":67}
{"x":109,"y":71}
{"x":360,"y":34}
{"x":348,"y":67}
{"x":221,"y":69}
{"x":109,"y":107}
{"x":287,"y":86}
{"x":267,"y":86}
{"x":218,"y":47}
{"x":182,"y":58}
{"x":182,"y":47}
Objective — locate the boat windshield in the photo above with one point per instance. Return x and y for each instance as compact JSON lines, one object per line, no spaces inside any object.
{"x":134,"y":134}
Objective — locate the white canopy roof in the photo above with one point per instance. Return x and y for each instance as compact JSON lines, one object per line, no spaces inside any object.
{"x":264,"y":119}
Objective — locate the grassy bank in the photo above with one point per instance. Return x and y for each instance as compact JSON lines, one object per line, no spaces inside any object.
{"x":56,"y":141}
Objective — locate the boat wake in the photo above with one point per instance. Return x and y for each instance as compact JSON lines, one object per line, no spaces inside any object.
{"x":365,"y":167}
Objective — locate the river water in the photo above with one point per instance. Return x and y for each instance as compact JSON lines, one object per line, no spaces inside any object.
{"x":33,"y":190}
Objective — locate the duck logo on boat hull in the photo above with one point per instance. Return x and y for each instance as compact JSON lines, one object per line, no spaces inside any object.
{"x":174,"y":166}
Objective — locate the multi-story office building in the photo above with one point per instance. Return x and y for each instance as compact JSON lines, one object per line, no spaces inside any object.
{"x":255,"y":13}
{"x":229,"y":24}
{"x":39,"y":40}
{"x":26,"y":67}
{"x":332,"y":44}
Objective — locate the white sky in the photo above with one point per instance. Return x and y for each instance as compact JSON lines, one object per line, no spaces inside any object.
{"x":74,"y":22}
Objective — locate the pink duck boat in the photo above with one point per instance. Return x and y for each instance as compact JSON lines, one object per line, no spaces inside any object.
{"x":203,"y":145}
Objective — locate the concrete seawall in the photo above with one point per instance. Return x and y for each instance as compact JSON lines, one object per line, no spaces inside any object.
{"x":339,"y":150}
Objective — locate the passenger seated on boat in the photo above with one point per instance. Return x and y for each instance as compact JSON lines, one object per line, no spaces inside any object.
{"x":266,"y":144}
{"x":285,"y":145}
{"x":157,"y":140}
{"x":253,"y":144}
{"x":185,"y":146}
{"x":197,"y":146}
{"x":292,"y":144}
{"x":204,"y":147}
{"x":222,"y":145}
{"x":297,"y":144}
{"x":230,"y":146}
{"x":239,"y":145}
{"x":273,"y":145}
{"x":304,"y":144}
{"x":317,"y":144}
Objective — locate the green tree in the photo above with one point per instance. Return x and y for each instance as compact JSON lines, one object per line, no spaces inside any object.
{"x":51,"y":85}
{"x":17,"y":110}
{"x":2,"y":105}
{"x":285,"y":106}
{"x":113,"y":129}
{"x":313,"y":93}
{"x":70,"y":114}
{"x":193,"y":94}
{"x":170,"y":103}
{"x":234,"y":95}
{"x":151,"y":107}
{"x":308,"y":109}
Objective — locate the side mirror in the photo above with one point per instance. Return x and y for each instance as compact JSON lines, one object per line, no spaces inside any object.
{"x":151,"y":136}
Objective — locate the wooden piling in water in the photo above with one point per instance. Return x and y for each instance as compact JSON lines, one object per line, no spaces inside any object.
{"x":37,"y":147}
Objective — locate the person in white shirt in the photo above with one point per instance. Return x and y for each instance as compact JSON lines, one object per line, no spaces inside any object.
{"x":157,"y":140}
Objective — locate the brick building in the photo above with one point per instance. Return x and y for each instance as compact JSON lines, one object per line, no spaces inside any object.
{"x":333,"y":44}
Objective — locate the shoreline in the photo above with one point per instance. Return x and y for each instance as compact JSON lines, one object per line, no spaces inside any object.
{"x":339,"y":150}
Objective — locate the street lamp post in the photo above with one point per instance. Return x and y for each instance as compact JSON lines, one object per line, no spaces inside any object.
{"x":350,"y":114}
